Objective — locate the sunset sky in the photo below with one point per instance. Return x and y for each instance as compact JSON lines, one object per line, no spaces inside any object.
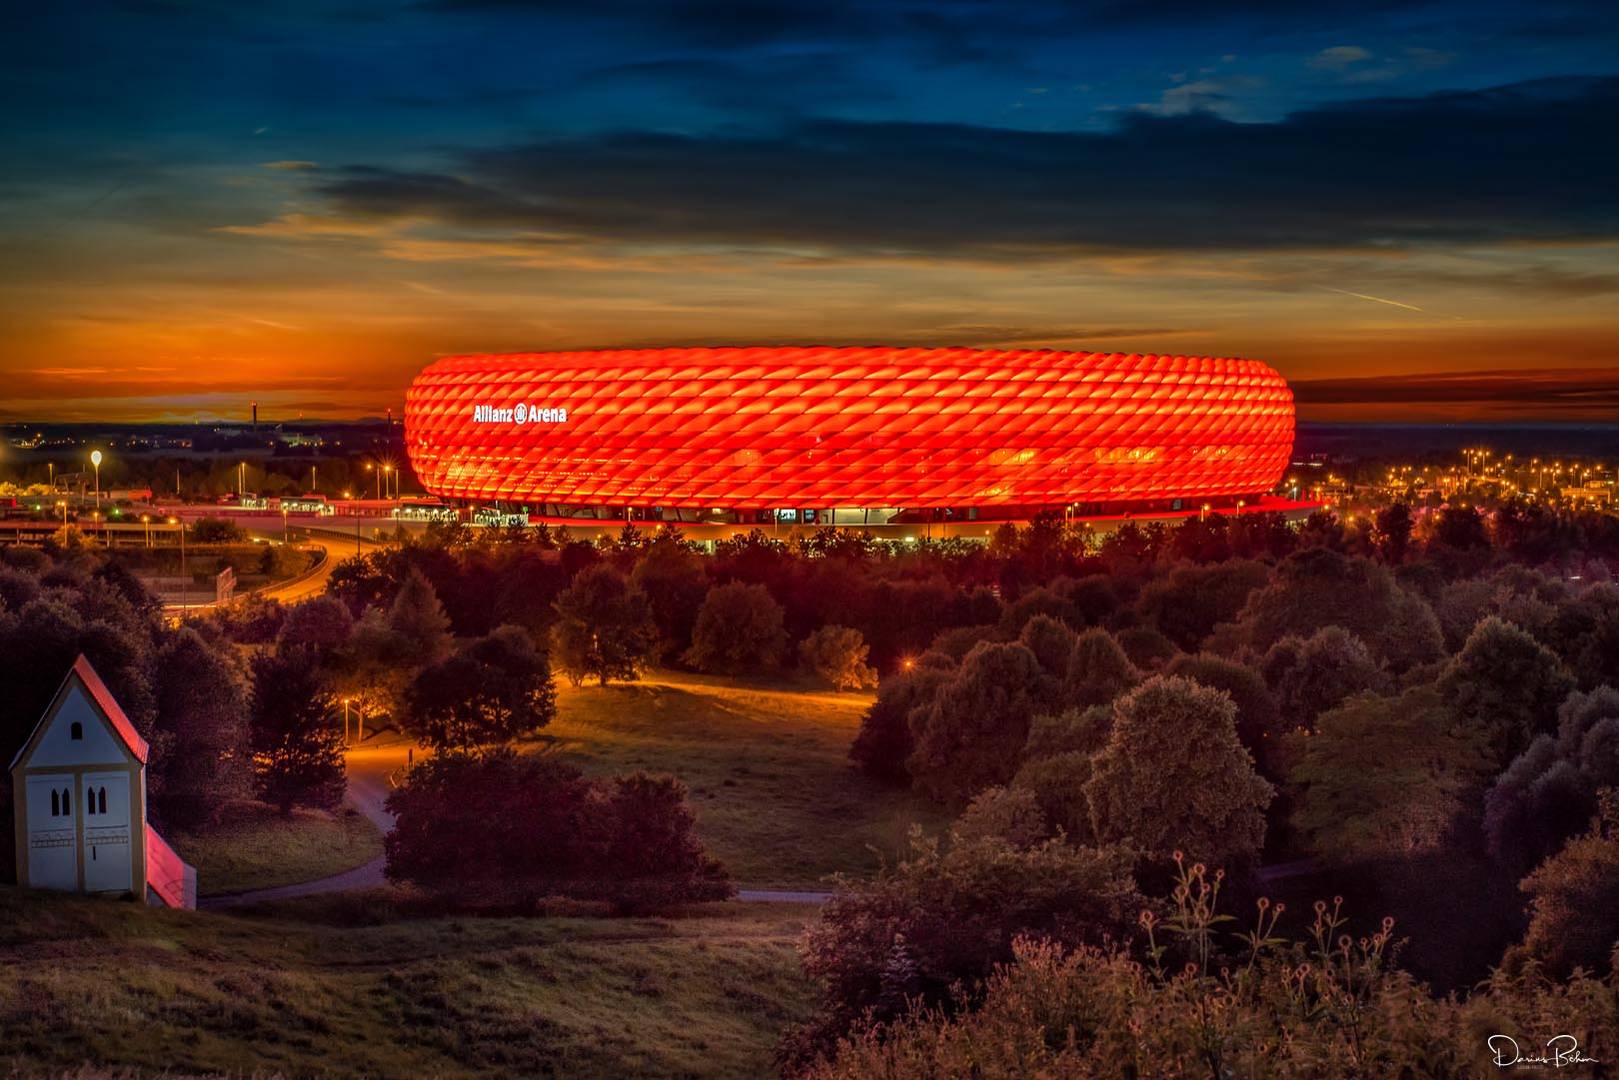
{"x":1411,"y":210}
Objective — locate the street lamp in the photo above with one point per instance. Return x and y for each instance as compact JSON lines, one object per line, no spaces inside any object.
{"x":176,"y":521}
{"x":95,"y":461}
{"x":146,"y":519}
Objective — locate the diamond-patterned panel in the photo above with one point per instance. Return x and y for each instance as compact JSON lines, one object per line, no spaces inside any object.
{"x":750,"y":428}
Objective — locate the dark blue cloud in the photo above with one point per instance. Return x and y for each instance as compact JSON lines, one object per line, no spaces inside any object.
{"x":1523,"y":163}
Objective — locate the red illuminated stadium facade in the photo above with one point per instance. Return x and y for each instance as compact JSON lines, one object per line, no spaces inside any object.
{"x":753,"y":433}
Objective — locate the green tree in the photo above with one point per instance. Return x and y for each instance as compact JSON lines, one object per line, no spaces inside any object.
{"x":883,"y":745}
{"x":1507,"y":684}
{"x":1384,"y":777}
{"x":1574,"y":899}
{"x":644,"y":838}
{"x":418,"y":620}
{"x":1311,"y":675}
{"x":1098,"y":670}
{"x":199,"y":758}
{"x":671,"y":576}
{"x":1392,"y":532}
{"x":1174,"y":776}
{"x":604,"y":628}
{"x":1260,"y":725}
{"x":1052,"y":644}
{"x":738,"y":629}
{"x":971,"y":736}
{"x":297,"y":749}
{"x":1549,"y":792}
{"x":1318,"y":587}
{"x":492,"y":690}
{"x":324,"y":623}
{"x":1188,"y":604}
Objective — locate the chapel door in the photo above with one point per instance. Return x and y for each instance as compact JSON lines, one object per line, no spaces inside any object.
{"x":108,"y":855}
{"x":53,"y":806}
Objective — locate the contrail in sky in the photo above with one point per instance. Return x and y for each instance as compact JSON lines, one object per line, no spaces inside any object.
{"x":1375,"y":299}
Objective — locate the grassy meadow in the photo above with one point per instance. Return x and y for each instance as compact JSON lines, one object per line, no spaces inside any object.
{"x":767,"y":765}
{"x":254,"y":847}
{"x":291,"y":991}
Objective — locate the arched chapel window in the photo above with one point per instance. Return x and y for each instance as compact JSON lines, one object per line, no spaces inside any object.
{"x":76,"y":731}
{"x":56,"y":804}
{"x":101,"y":797}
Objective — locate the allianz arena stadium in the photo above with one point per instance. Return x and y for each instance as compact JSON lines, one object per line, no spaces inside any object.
{"x":968,"y":434}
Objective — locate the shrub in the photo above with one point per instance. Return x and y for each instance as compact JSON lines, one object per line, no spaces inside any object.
{"x":957,"y":643}
{"x":1206,"y":1002}
{"x":509,"y":830}
{"x":837,"y":654}
{"x":1057,"y":782}
{"x":948,"y":914}
{"x":739,"y":630}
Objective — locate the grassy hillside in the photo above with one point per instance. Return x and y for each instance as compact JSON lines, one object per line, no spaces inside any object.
{"x":124,"y":986}
{"x":767,"y":765}
{"x":254,"y":847}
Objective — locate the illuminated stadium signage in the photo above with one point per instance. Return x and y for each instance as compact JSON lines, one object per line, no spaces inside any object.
{"x":518,"y":414}
{"x":791,"y":427}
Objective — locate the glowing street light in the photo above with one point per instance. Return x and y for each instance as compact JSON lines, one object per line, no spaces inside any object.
{"x":176,"y":521}
{"x":95,"y":462}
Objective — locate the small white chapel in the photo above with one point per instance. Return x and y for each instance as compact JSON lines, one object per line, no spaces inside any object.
{"x":79,"y":785}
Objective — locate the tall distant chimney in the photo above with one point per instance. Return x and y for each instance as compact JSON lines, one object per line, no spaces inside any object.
{"x":255,"y":414}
